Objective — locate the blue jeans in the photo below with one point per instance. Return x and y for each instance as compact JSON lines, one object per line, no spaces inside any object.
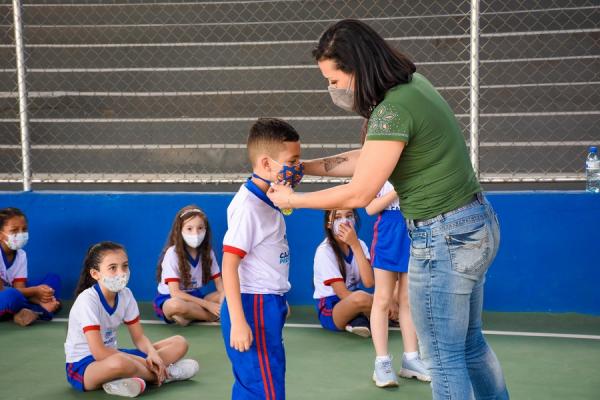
{"x":449,"y":257}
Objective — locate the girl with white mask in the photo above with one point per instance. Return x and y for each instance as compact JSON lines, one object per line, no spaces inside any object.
{"x":185,"y":268}
{"x":94,"y":359}
{"x":341,"y":264}
{"x":22,"y":300}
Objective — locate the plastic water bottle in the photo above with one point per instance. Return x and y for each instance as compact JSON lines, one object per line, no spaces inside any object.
{"x":592,"y":171}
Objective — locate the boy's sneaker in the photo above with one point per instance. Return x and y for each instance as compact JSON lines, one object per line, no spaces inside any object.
{"x":182,"y":370}
{"x":359,"y":326}
{"x":414,"y":369}
{"x":128,"y":387}
{"x":383,"y":375}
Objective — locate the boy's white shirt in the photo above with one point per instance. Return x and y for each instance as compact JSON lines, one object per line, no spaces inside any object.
{"x":257,"y":233}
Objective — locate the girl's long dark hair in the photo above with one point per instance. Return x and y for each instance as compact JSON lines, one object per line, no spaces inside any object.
{"x":176,"y":239}
{"x":357,"y":49}
{"x":337,"y":250}
{"x":92,"y":260}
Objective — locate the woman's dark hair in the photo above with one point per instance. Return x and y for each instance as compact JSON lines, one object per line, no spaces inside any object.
{"x":8,"y":213}
{"x":176,"y":239}
{"x":337,"y":250}
{"x":357,"y":49}
{"x":92,"y":260}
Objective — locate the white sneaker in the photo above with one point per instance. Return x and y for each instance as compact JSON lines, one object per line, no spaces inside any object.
{"x":414,"y":369}
{"x":384,"y":375}
{"x":182,"y":370}
{"x":128,"y":387}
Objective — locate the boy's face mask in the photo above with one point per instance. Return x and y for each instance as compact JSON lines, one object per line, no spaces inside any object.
{"x":290,"y":174}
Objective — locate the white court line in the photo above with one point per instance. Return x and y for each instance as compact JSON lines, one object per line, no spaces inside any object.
{"x":317,"y":326}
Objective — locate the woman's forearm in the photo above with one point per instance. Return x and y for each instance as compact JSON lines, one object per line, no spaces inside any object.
{"x":338,"y":197}
{"x":340,"y":165}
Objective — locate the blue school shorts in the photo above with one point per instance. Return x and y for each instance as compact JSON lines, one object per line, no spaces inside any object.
{"x":390,"y":249}
{"x":76,"y":370}
{"x":160,"y":299}
{"x":324,"y":307}
{"x":259,"y":372}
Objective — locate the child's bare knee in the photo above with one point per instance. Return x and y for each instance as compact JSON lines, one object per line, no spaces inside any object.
{"x":181,"y":342}
{"x":362,"y":299}
{"x":176,"y":306}
{"x":120,"y":364}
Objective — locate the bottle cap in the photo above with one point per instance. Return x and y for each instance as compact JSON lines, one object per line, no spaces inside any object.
{"x":593,"y":149}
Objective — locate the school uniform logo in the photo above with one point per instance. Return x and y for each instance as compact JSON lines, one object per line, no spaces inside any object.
{"x":110,"y":336}
{"x":284,"y":258}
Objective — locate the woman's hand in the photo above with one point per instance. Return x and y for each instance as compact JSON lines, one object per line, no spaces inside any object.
{"x":280,"y":195}
{"x":155,"y":364}
{"x":347,"y":234}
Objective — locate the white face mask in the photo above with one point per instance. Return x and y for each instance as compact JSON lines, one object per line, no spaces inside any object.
{"x":340,"y":221}
{"x":116,"y":283}
{"x":194,"y":241}
{"x":343,"y":98}
{"x":17,"y":241}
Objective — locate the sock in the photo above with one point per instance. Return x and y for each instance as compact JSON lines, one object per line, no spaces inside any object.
{"x":413,"y":355}
{"x":382,"y":358}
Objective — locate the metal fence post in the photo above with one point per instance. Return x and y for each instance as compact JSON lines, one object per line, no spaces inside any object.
{"x":474,"y":87}
{"x":23,"y":117}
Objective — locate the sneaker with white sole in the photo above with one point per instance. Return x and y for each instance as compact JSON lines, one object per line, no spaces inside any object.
{"x":128,"y":387}
{"x":359,"y":326}
{"x":384,"y":375}
{"x":414,"y":369}
{"x":182,"y":370}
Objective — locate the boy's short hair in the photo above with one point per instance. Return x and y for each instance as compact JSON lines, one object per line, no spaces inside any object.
{"x":267,"y":135}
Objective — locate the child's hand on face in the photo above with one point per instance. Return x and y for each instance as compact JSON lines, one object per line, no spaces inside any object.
{"x":156,"y":365}
{"x":241,"y":337}
{"x":347,"y":234}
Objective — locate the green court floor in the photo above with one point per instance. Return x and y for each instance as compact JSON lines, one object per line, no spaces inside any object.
{"x":321,"y":364}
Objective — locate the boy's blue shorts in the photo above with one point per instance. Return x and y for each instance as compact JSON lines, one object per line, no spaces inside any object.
{"x":76,"y":370}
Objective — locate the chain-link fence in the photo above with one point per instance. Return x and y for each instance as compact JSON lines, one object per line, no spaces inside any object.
{"x":148,"y":91}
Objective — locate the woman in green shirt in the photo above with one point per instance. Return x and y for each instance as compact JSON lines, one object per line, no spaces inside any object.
{"x":414,"y":141}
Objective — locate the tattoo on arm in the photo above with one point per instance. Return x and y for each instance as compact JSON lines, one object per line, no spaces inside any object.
{"x":332,"y":162}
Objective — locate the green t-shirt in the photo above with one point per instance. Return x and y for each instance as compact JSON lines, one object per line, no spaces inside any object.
{"x":434,"y":174}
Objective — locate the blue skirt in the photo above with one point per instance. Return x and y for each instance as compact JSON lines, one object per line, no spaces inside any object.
{"x":390,"y":249}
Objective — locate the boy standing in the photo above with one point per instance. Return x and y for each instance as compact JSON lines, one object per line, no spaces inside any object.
{"x":256,"y":265}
